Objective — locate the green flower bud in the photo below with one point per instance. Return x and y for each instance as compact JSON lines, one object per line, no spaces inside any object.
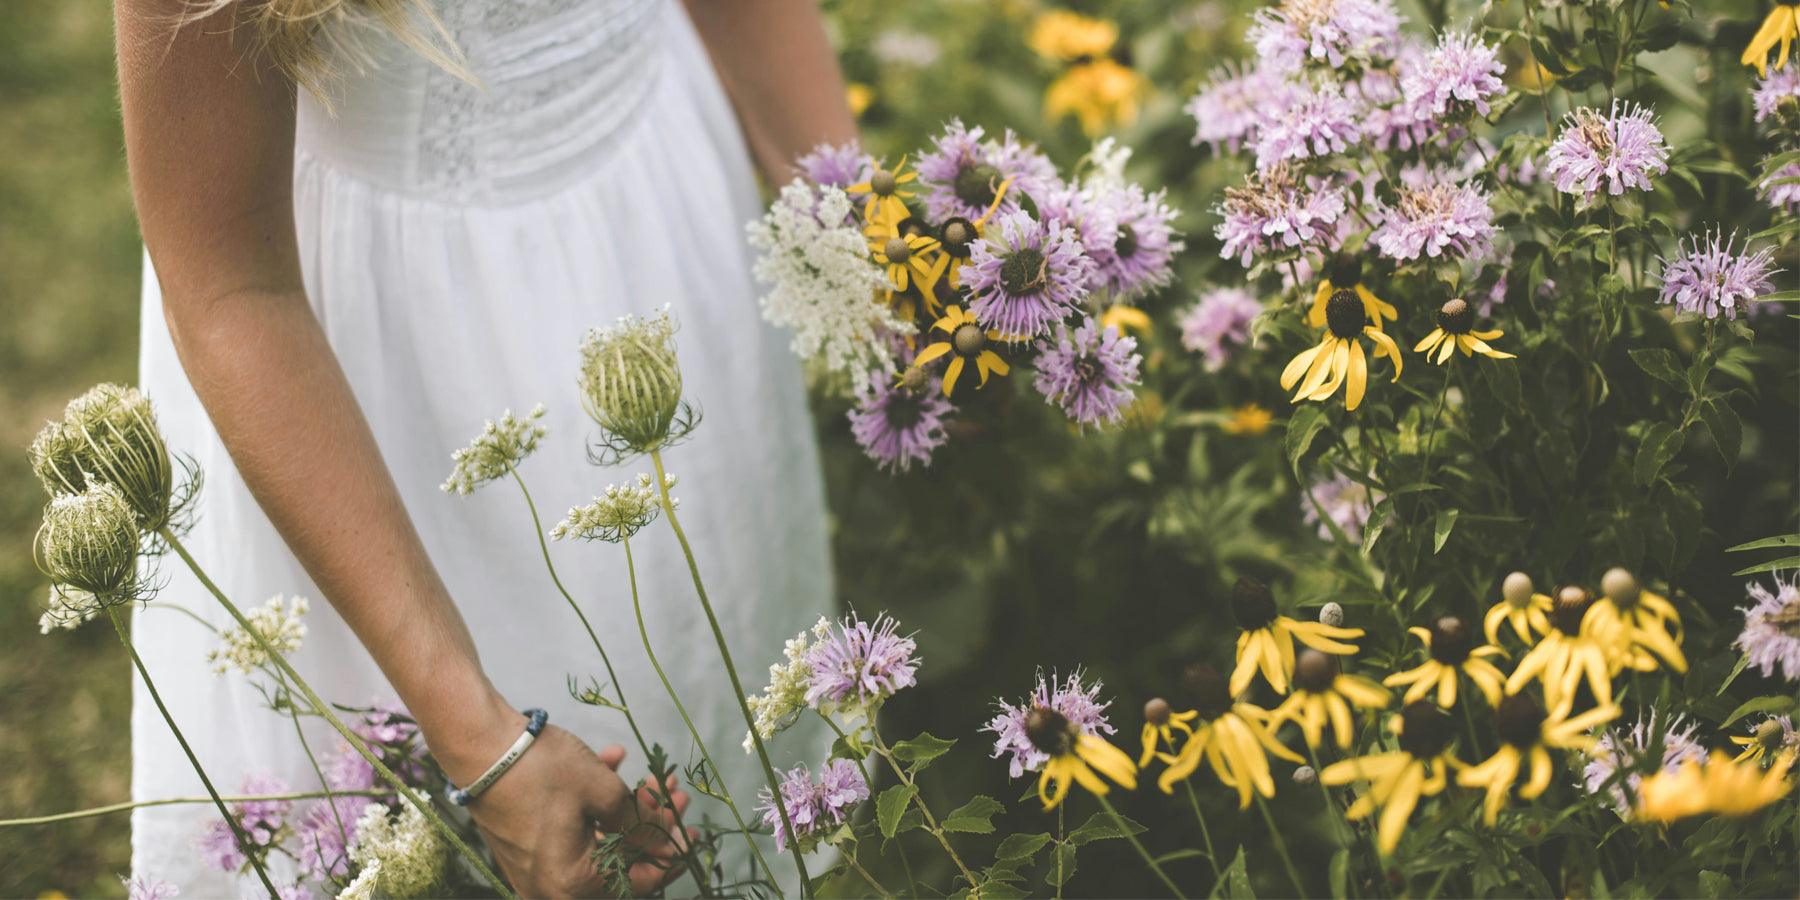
{"x":109,"y":434}
{"x":631,"y":383}
{"x":89,"y":544}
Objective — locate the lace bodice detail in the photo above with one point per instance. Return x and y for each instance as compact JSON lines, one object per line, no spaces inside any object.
{"x":560,"y":83}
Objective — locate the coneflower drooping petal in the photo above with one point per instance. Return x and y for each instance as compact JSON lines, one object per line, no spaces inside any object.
{"x":1078,"y":703}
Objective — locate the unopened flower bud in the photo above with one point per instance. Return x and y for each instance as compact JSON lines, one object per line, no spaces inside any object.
{"x":89,"y":542}
{"x":1331,"y":614}
{"x":1157,"y":711}
{"x":1517,"y":589}
{"x":631,"y":381}
{"x":1252,"y":604}
{"x":1306,"y":775}
{"x":109,"y":434}
{"x":1620,"y":587}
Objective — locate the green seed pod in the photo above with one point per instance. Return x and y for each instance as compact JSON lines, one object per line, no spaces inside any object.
{"x":109,"y":435}
{"x":631,"y":381}
{"x":89,"y":542}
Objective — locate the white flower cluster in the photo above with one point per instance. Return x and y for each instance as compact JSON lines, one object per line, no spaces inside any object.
{"x":499,"y":447}
{"x":821,"y":281}
{"x":67,"y":607}
{"x":616,"y":514}
{"x":279,"y":623}
{"x":396,"y":856}
{"x":1107,"y":160}
{"x":785,"y":698}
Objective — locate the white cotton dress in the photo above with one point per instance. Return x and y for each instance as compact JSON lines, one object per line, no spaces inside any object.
{"x":457,"y":241}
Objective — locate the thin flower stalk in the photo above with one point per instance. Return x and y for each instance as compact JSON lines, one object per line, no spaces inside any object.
{"x":931,"y":822}
{"x":1281,"y":849}
{"x":1125,"y":829}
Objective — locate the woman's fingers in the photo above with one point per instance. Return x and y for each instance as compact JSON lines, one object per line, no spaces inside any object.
{"x":611,"y":756}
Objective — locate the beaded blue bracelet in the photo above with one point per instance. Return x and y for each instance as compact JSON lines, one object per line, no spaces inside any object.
{"x":536,"y":719}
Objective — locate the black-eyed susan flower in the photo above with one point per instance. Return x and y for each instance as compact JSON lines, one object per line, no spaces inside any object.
{"x":1161,"y":725}
{"x":1322,"y":692}
{"x":1569,"y":652}
{"x":1338,"y":360}
{"x":1773,"y":736}
{"x":1456,"y":331}
{"x":1099,"y":93}
{"x":908,"y":258}
{"x":1267,"y":642}
{"x":1720,"y":786}
{"x":1527,"y":735}
{"x":1782,"y":26}
{"x":1520,"y":606}
{"x":1249,"y":419}
{"x":1344,"y":273}
{"x":1645,"y":625}
{"x":1056,"y":731}
{"x":969,"y":346}
{"x":886,"y":194}
{"x":1065,"y":36}
{"x":1450,"y":643}
{"x":1231,"y":736}
{"x":1399,"y":779}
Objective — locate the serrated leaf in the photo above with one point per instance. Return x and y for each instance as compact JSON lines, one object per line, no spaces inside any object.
{"x":1716,"y":884}
{"x":920,"y":751}
{"x":1102,"y":827}
{"x":1237,"y":879}
{"x":973,"y":817}
{"x":890,"y":805}
{"x":1021,"y":846}
{"x":1774,"y":705}
{"x":1302,"y":427}
{"x":1440,"y":532}
{"x":1727,"y":432}
{"x":1780,"y":540}
{"x":1061,"y":866}
{"x":1773,"y":565}
{"x":1661,"y":443}
{"x":1662,"y":365}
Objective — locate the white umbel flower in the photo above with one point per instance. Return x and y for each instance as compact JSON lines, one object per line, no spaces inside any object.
{"x":68,"y":607}
{"x":500,"y":447}
{"x":616,"y":514}
{"x":822,"y":283}
{"x":279,"y":623}
{"x":399,"y":855}
{"x":785,"y":698}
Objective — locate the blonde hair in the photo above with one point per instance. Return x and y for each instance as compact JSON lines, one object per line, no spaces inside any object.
{"x":311,"y":41}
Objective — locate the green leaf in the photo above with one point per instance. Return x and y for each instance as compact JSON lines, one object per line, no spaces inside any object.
{"x":1716,"y":884}
{"x":974,"y":817}
{"x":1061,"y":867}
{"x":920,"y":751}
{"x":1446,"y":520}
{"x":890,"y":805}
{"x":1780,"y":540}
{"x":1101,"y":827}
{"x":1237,"y":879}
{"x":1302,"y":427}
{"x":1727,"y":433}
{"x":1778,"y":297}
{"x":1736,"y":670}
{"x":1773,"y":565}
{"x":1179,"y":855}
{"x":1021,"y":846}
{"x":1661,"y":443}
{"x":1775,"y":705}
{"x":1340,"y":873}
{"x":1662,"y":365}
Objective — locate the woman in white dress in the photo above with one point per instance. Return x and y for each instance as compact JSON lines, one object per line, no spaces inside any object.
{"x":336,"y":299}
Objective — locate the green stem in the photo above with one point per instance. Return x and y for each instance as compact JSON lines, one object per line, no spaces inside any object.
{"x":737,"y":687}
{"x":931,"y":822}
{"x":719,"y":790}
{"x":905,"y":863}
{"x":322,"y":710}
{"x":237,"y":829}
{"x":1212,"y":856}
{"x":1137,"y":845}
{"x":660,"y":790}
{"x":109,"y":809}
{"x":1281,"y":849}
{"x":850,"y":858}
{"x":1060,"y":828}
{"x":300,"y":733}
{"x":1333,"y":810}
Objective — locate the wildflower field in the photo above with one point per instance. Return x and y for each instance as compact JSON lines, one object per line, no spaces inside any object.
{"x":1331,"y":448}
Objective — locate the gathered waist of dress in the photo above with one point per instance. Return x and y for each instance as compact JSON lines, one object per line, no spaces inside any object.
{"x":559,"y":85}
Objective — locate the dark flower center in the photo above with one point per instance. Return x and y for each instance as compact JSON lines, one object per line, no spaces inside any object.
{"x":1571,"y":604}
{"x":1519,"y":720}
{"x":1127,"y":244}
{"x":1212,"y":696}
{"x":959,"y":235}
{"x":1252,"y":604}
{"x":883,"y":182}
{"x":1455,"y":316}
{"x":912,"y":226}
{"x":977,"y":185}
{"x":1023,"y":272}
{"x":1344,"y":271}
{"x":903,"y":410}
{"x":897,"y":250}
{"x":1087,"y":370}
{"x":1157,"y":711}
{"x":969,"y":340}
{"x":1314,"y":672}
{"x":1450,"y":640}
{"x":1049,"y":730}
{"x":1424,"y":729}
{"x":1344,"y":313}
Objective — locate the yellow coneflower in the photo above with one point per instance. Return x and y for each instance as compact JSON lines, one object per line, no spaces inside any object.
{"x":1099,"y":93}
{"x":1721,"y":786}
{"x":1249,"y":419}
{"x":1448,"y":642}
{"x":1570,"y":651}
{"x":1520,"y":606}
{"x":1344,"y":273}
{"x":959,"y":234}
{"x":1646,"y":625}
{"x":1065,"y":36}
{"x":1126,"y":317}
{"x":1456,"y":331}
{"x":1774,"y":736}
{"x":969,"y":343}
{"x":1075,"y":756}
{"x":1267,"y":643}
{"x":1781,"y":27}
{"x":1161,"y":723}
{"x":1338,"y":358}
{"x":908,"y":258}
{"x":1323,"y":691}
{"x":1527,"y":735}
{"x":886,"y":204}
{"x":1232,"y":737}
{"x":1399,"y":779}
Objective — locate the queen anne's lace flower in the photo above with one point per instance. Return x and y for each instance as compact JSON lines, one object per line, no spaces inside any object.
{"x":1277,"y":210}
{"x":278,"y":621}
{"x":1771,"y":635}
{"x":1218,"y":322}
{"x":617,"y":514}
{"x":1708,"y":277}
{"x":1088,"y":372}
{"x":1438,"y":216}
{"x":784,"y":699}
{"x":1077,"y":703}
{"x":821,"y":282}
{"x":1618,"y":751}
{"x":1329,"y":32}
{"x":407,"y":856}
{"x":67,"y":607}
{"x":1614,"y":152}
{"x":497,"y":450}
{"x":898,"y":425}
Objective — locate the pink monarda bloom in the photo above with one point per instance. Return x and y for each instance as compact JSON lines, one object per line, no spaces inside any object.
{"x":1457,"y":77}
{"x":814,"y":807}
{"x":1771,"y":637}
{"x":899,"y":425}
{"x":1304,"y":123}
{"x":1614,"y":152}
{"x":1143,"y":251}
{"x":1775,"y":86}
{"x":1437,"y":216}
{"x":860,"y":663}
{"x":1782,"y":189}
{"x":1707,"y":277}
{"x":1217,"y":323}
{"x":836,"y":165}
{"x":1277,"y":210}
{"x":1228,"y":107}
{"x":1025,"y":276}
{"x":1089,"y":214}
{"x":964,"y":170}
{"x":1088,"y":372}
{"x":261,"y":821}
{"x":1323,"y":32}
{"x":1346,"y":503}
{"x":1622,"y":751}
{"x":1077,"y":703}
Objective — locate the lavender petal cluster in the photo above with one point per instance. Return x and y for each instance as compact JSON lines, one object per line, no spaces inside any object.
{"x":1346,"y":503}
{"x":1295,"y":33}
{"x":1218,"y":323}
{"x":1458,"y":76}
{"x":813,"y":807}
{"x":1227,"y":109}
{"x":859,"y":664}
{"x":1709,"y":277}
{"x":964,"y":167}
{"x":1277,"y":209}
{"x":1782,"y":188}
{"x":1141,"y":256}
{"x":260,"y":820}
{"x":836,"y":165}
{"x":1775,"y":87}
{"x":1617,"y":752}
{"x":1088,"y":372}
{"x":1437,"y":217}
{"x":898,"y":426}
{"x":1770,"y":639}
{"x":1307,"y":122}
{"x":1026,"y":275}
{"x":1613,"y":152}
{"x":1078,"y":703}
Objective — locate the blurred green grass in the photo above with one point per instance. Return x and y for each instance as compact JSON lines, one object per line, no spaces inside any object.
{"x":69,"y":257}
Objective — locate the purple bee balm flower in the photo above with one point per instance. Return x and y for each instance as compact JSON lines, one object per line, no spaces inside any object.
{"x":1770,"y":639}
{"x":1617,"y":151}
{"x":1025,"y":275}
{"x":812,"y":807}
{"x":1346,"y":503}
{"x":841,"y":787}
{"x":1437,"y":216}
{"x":1228,"y":108}
{"x":1775,"y":86}
{"x":1143,"y":252}
{"x":898,"y":425}
{"x":1217,"y":323}
{"x":324,"y":834}
{"x":801,"y":802}
{"x":1616,"y":751}
{"x":1306,"y":123}
{"x":860,"y":663}
{"x":1457,"y":76}
{"x":964,"y":170}
{"x":1275,"y":210}
{"x":260,"y":820}
{"x":1708,"y":277}
{"x":1298,"y":32}
{"x":145,"y":887}
{"x":1088,"y":372}
{"x":1093,"y":220}
{"x":1077,"y":703}
{"x":1782,"y":189}
{"x":836,"y":165}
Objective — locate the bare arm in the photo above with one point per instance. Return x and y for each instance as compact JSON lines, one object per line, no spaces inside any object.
{"x":781,"y":74}
{"x":209,"y":139}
